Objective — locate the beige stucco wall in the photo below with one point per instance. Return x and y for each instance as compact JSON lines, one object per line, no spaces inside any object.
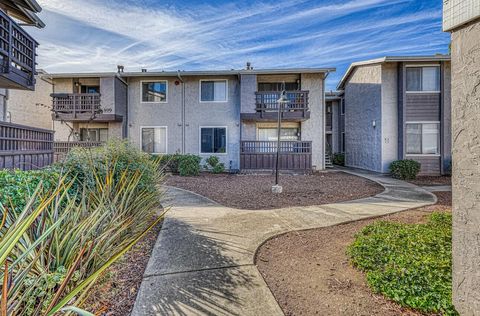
{"x":466,"y":168}
{"x":314,"y":128}
{"x":31,"y":108}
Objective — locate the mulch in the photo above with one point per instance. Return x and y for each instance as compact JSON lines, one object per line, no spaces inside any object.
{"x":116,"y":291}
{"x":309,"y":272}
{"x":432,"y":180}
{"x":253,"y":191}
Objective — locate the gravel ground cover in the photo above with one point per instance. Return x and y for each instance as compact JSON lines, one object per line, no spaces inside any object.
{"x":254,"y":191}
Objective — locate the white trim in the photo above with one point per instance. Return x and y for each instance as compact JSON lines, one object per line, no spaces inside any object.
{"x":423,"y":155}
{"x":200,"y":91}
{"x":422,"y":66}
{"x":421,"y":92}
{"x":422,"y":123}
{"x":166,"y":139}
{"x":153,"y":102}
{"x":200,"y":140}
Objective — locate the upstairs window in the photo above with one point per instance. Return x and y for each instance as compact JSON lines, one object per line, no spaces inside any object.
{"x":154,"y":91}
{"x":423,"y":79}
{"x":277,"y":86}
{"x":213,"y":140}
{"x":213,"y":90}
{"x":423,"y":139}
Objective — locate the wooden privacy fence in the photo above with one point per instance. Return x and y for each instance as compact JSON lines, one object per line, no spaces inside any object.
{"x":62,"y":148}
{"x":261,"y":155}
{"x":23,"y":147}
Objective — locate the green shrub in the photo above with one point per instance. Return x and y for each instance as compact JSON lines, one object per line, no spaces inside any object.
{"x":17,"y":186}
{"x":214,"y":164}
{"x":170,"y":162}
{"x":339,"y":159}
{"x":406,"y":169}
{"x":409,"y":263}
{"x":189,"y":165}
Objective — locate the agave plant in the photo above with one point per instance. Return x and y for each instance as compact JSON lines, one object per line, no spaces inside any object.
{"x":58,"y":246}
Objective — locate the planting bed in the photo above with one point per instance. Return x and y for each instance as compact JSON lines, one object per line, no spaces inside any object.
{"x":254,"y":191}
{"x":310,"y":273}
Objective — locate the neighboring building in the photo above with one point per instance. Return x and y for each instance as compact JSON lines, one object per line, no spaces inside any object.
{"x":462,"y":19}
{"x":21,"y":146}
{"x":231,"y":114}
{"x":398,"y":108}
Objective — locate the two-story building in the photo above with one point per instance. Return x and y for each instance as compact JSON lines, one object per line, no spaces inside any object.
{"x":231,"y":114}
{"x":398,"y":108}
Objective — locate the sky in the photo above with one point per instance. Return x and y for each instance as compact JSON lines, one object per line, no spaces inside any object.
{"x":98,"y":35}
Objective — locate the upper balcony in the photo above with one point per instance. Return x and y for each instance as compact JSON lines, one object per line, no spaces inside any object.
{"x":266,"y":107}
{"x":81,"y":107}
{"x":17,"y":55}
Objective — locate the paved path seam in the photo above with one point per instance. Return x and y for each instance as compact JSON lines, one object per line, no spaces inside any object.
{"x":203,"y":260}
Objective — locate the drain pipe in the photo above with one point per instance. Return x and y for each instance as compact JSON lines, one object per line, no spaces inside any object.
{"x":183,"y":111}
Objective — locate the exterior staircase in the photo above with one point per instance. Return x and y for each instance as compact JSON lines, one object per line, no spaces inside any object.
{"x":328,"y":161}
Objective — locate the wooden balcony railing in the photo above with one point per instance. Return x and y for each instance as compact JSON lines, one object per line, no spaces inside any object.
{"x":268,"y":101}
{"x":75,"y":104}
{"x":17,"y":53}
{"x":23,"y":147}
{"x":61,"y":149}
{"x":261,"y":155}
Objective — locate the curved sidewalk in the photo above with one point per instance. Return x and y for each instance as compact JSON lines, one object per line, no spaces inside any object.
{"x":203,"y":260}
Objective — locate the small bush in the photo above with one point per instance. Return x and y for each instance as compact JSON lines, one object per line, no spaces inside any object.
{"x":170,"y":162}
{"x":406,"y":169}
{"x":214,"y":164}
{"x":339,"y":159}
{"x":189,"y":165}
{"x":410,"y":264}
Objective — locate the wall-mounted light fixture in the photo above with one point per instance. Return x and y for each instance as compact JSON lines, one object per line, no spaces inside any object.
{"x":374,"y":123}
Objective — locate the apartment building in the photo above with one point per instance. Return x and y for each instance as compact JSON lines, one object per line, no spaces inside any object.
{"x":398,"y":108}
{"x":231,"y":114}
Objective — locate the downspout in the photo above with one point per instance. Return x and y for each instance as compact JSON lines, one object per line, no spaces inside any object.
{"x":183,"y":111}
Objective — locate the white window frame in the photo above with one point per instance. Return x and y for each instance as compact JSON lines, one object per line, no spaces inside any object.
{"x":439,"y":138}
{"x":200,"y":90}
{"x":422,"y":66}
{"x":153,"y":102}
{"x":166,"y":139}
{"x":200,"y":141}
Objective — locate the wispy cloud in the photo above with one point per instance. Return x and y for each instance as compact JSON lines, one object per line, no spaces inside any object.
{"x":95,"y":35}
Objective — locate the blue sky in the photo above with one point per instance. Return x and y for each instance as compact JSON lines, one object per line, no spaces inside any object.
{"x":97,"y":35}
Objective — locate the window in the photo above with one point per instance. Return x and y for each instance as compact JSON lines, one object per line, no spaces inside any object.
{"x":343,"y":142}
{"x":213,"y":90}
{"x":423,"y":79}
{"x":277,"y":86}
{"x":213,"y":140}
{"x":270,"y":134}
{"x":154,"y":91}
{"x":423,"y":138}
{"x":90,"y":89}
{"x":154,"y":140}
{"x":342,"y":110}
{"x":94,"y":134}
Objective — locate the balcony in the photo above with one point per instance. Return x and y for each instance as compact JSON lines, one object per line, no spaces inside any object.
{"x":17,"y":56}
{"x":266,"y":107}
{"x":24,"y":147}
{"x":261,"y":155}
{"x":80,"y":107}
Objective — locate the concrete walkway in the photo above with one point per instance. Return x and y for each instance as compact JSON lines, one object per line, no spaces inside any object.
{"x":203,"y":261}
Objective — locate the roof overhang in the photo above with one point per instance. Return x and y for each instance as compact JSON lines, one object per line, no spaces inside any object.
{"x":190,"y":73}
{"x":390,"y":59}
{"x":24,"y":10}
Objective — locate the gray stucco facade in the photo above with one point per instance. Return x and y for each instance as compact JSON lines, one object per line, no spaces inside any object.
{"x":466,"y":167}
{"x":379,"y":107}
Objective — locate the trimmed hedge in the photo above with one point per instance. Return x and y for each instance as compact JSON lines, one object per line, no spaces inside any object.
{"x":409,"y":263}
{"x":185,"y":165}
{"x":406,"y":169}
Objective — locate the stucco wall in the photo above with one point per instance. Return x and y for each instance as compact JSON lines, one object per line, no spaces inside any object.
{"x":447,"y":118}
{"x":248,"y":88}
{"x":314,"y":128}
{"x":389,"y":121}
{"x":197,"y":114}
{"x":466,"y":168}
{"x":363,"y":97}
{"x":31,"y":108}
{"x":335,"y":126}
